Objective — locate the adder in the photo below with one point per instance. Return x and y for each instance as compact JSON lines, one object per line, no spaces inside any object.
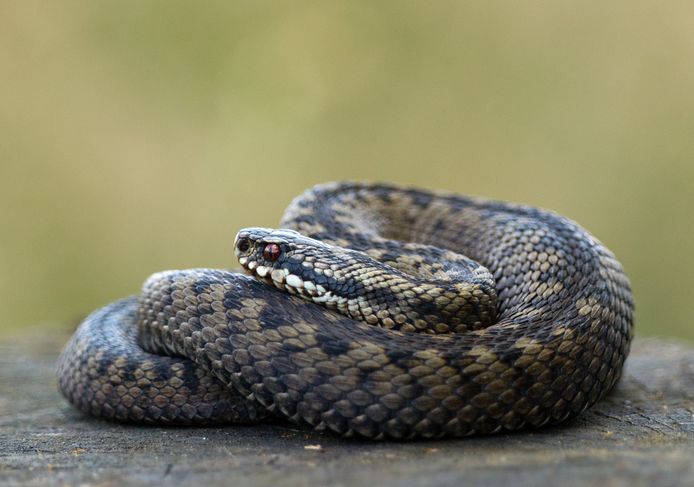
{"x":375,"y":310}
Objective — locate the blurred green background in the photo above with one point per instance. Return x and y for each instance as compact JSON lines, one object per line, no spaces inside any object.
{"x":139,"y":136}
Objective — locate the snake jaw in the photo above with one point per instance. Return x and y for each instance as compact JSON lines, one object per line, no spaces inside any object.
{"x":274,"y":274}
{"x":282,"y":279}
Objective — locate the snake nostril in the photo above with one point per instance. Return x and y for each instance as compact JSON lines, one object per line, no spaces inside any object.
{"x":243,"y":245}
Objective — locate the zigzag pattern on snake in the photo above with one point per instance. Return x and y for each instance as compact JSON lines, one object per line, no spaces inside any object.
{"x":375,"y":311}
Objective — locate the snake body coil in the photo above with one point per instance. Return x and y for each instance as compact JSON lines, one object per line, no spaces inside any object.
{"x":488,"y":317}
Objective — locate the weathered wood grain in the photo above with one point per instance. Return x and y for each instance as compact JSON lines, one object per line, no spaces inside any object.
{"x":643,"y":434}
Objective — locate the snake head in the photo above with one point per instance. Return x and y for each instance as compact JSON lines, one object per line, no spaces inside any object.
{"x":280,"y":258}
{"x":356,"y":285}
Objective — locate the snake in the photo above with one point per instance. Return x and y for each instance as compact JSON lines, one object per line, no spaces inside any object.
{"x":373,"y":310}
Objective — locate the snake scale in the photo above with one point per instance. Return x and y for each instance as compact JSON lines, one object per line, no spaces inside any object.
{"x":375,"y":311}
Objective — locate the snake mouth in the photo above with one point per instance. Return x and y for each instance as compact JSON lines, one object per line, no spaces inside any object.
{"x":284,"y":280}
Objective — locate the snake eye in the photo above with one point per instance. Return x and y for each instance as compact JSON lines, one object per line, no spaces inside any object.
{"x":243,"y":245}
{"x":271,"y":252}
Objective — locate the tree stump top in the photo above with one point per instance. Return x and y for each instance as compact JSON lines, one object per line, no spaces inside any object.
{"x":642,"y":434}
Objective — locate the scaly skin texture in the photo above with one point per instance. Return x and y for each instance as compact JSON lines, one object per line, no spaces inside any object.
{"x":548,"y":337}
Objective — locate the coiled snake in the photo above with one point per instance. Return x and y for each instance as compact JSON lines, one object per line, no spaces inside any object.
{"x":524,"y":319}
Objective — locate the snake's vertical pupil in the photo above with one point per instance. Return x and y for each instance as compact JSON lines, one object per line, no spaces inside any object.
{"x":271,"y":252}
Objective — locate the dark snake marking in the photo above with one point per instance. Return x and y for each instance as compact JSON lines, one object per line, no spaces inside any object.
{"x":536,"y":331}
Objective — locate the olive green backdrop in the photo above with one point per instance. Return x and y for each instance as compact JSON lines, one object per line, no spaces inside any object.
{"x":138,"y":136}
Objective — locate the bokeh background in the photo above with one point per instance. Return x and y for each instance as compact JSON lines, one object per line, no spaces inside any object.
{"x":138,"y":136}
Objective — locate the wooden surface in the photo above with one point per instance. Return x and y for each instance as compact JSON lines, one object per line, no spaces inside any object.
{"x":643,"y":434}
